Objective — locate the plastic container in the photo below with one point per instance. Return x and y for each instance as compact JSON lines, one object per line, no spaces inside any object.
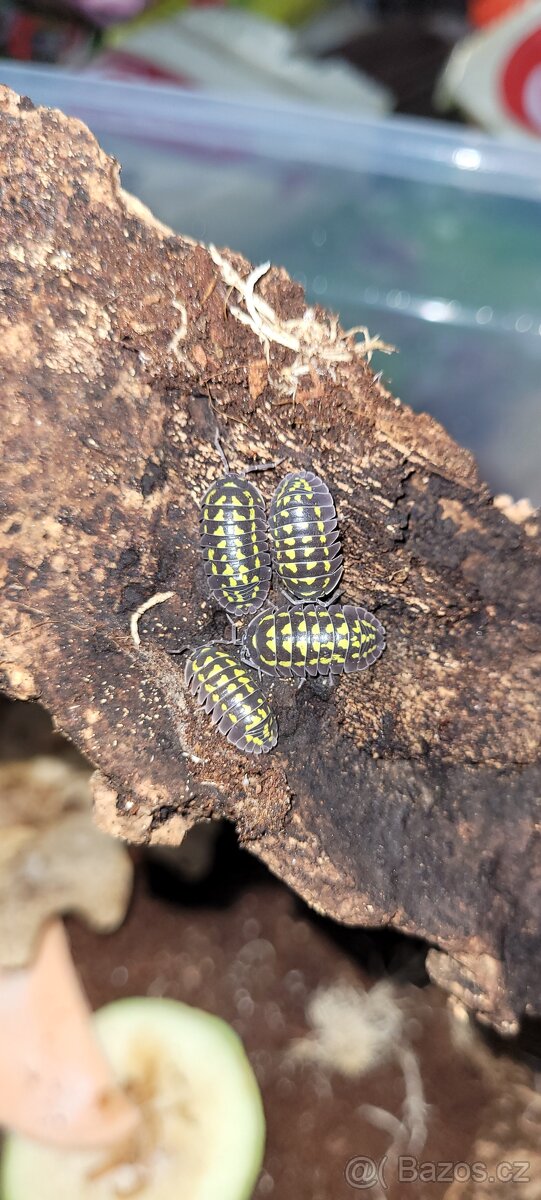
{"x":431,"y":235}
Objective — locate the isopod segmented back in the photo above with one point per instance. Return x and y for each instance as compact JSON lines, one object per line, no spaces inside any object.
{"x":311,"y":639}
{"x":235,"y":702}
{"x":304,"y":537}
{"x":234,"y":544}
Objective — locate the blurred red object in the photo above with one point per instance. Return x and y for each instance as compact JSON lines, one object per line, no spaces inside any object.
{"x":40,"y":36}
{"x":482,"y":12}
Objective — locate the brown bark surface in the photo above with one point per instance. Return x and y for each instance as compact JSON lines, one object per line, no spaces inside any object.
{"x":408,"y":795}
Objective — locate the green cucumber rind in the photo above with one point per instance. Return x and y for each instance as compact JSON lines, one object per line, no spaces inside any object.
{"x":164,"y":1010}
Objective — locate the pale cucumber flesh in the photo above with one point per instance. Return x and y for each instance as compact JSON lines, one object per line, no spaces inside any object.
{"x":203,"y":1128}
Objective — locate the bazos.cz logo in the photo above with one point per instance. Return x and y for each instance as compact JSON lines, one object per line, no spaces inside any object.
{"x":363,"y":1173}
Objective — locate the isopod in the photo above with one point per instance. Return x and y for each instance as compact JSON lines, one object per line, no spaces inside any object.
{"x":234,"y":544}
{"x":234,"y":700}
{"x":313,"y":639}
{"x":303,"y":530}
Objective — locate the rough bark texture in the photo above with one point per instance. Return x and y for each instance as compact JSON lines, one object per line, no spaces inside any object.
{"x":408,"y":795}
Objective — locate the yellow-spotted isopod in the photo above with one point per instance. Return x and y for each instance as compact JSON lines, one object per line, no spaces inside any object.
{"x":311,"y":639}
{"x":234,"y":700}
{"x":304,"y":537}
{"x":234,"y":544}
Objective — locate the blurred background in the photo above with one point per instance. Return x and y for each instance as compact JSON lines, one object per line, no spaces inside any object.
{"x":387,"y":153}
{"x":341,"y":139}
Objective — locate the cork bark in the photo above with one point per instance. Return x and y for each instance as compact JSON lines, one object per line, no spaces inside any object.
{"x":408,"y":795}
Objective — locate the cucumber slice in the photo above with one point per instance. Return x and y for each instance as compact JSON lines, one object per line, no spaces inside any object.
{"x":203,"y":1129}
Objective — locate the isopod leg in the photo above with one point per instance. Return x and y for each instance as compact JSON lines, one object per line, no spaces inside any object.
{"x":289,"y":599}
